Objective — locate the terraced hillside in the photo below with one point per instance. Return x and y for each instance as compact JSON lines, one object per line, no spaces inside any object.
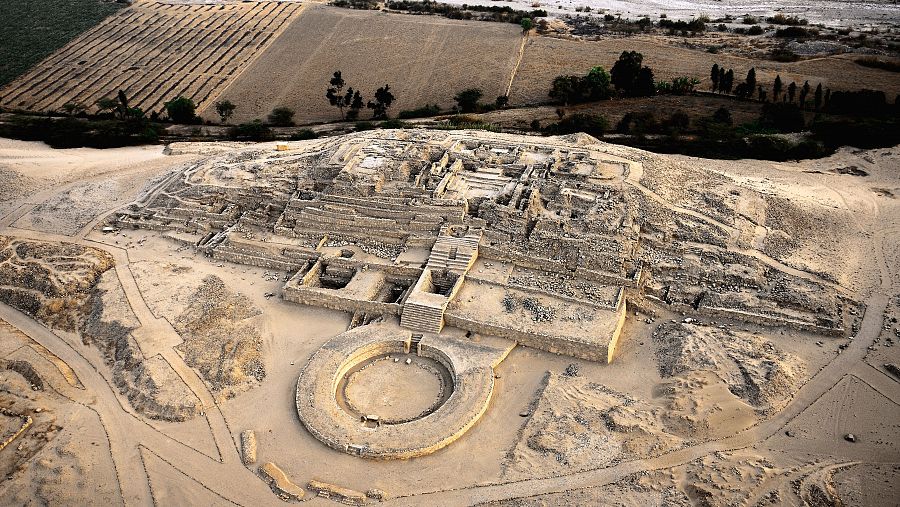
{"x":154,"y":52}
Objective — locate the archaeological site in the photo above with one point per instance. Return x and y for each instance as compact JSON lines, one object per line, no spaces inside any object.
{"x":518,"y":302}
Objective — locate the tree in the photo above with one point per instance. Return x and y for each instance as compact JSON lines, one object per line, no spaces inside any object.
{"x":804,"y":92}
{"x":792,"y":91}
{"x":817,"y":98}
{"x":761,"y":93}
{"x":677,"y":123}
{"x":224,"y":108}
{"x":355,"y":105}
{"x":644,"y":86}
{"x":383,"y":100}
{"x":714,"y":77}
{"x":776,"y":88}
{"x":107,"y":105}
{"x":827,"y":101}
{"x":467,"y":100}
{"x":721,"y":79}
{"x":333,"y":93}
{"x":597,"y":83}
{"x":501,"y":101}
{"x":527,"y":24}
{"x":565,"y":89}
{"x":282,"y":117}
{"x":625,"y":70}
{"x":729,"y":81}
{"x":630,"y":77}
{"x":181,"y":110}
{"x":73,"y":108}
{"x":722,"y":115}
{"x":123,"y":104}
{"x":751,"y":81}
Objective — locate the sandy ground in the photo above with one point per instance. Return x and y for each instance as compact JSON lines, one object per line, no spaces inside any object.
{"x":660,"y":428}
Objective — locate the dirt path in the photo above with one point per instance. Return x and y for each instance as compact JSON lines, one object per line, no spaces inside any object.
{"x":512,"y":76}
{"x":127,"y":432}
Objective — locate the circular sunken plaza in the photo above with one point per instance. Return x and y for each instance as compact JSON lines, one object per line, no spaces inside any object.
{"x":376,"y":393}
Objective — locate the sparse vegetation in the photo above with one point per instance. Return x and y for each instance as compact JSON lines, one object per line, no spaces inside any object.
{"x":420,"y":112}
{"x":502,"y":14}
{"x":251,"y":131}
{"x":877,"y":63}
{"x":281,"y":117}
{"x":781,"y":19}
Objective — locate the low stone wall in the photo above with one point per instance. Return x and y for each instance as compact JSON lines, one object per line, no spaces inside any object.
{"x":493,"y":253}
{"x":754,"y":318}
{"x":333,"y":300}
{"x":553,"y":344}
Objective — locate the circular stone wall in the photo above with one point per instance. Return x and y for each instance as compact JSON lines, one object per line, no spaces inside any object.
{"x":415,"y":408}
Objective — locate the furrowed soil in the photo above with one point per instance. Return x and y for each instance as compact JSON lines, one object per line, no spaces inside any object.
{"x":425,"y":59}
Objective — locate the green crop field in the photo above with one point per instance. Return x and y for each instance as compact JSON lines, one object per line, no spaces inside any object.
{"x":30,"y":30}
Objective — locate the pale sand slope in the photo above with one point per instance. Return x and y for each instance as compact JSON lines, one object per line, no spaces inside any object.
{"x":73,"y":185}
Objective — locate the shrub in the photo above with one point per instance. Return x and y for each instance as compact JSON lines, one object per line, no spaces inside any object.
{"x":784,"y":117}
{"x":755,"y":30}
{"x":783,"y":54}
{"x":421,"y":112}
{"x":282,"y":117}
{"x":793,"y":32}
{"x":76,"y":133}
{"x":678,"y":86}
{"x":865,"y":133}
{"x":781,"y":19}
{"x":875,"y":63}
{"x":393,"y":124}
{"x":592,"y":124}
{"x":467,"y":100}
{"x":252,"y":131}
{"x":859,"y":103}
{"x":356,"y":4}
{"x":638,"y":123}
{"x":364,"y":125}
{"x":303,"y":135}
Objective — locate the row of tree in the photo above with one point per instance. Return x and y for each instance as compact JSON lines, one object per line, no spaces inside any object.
{"x":723,"y":82}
